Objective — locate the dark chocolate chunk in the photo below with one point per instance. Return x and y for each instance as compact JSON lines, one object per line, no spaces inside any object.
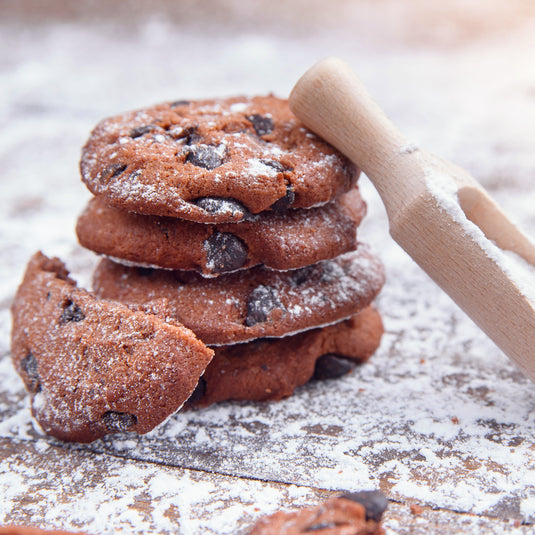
{"x":284,"y":202}
{"x":278,"y":166}
{"x":144,"y":271}
{"x":206,"y":156}
{"x":373,"y":501}
{"x":199,"y":392}
{"x":140,"y":130}
{"x":321,"y":525}
{"x":189,"y":135}
{"x":29,"y":365}
{"x":225,"y":252}
{"x":331,"y":367}
{"x":179,"y":103}
{"x":216,"y":205}
{"x":260,"y":303}
{"x":111,"y":171}
{"x":262,"y":124}
{"x":118,"y":421}
{"x":304,"y":274}
{"x":71,"y":312}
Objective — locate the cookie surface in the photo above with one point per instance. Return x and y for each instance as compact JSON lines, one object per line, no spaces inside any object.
{"x":212,"y":161}
{"x":344,"y":515}
{"x":249,"y":304}
{"x":291,"y":240}
{"x":272,"y":368}
{"x":95,"y":367}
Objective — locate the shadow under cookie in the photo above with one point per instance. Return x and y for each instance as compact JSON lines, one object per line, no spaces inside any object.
{"x":272,"y":368}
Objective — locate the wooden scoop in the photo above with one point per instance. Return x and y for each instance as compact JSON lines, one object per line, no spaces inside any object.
{"x":437,"y":212}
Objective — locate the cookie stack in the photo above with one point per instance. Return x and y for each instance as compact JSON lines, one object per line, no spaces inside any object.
{"x":231,"y":271}
{"x":230,"y":217}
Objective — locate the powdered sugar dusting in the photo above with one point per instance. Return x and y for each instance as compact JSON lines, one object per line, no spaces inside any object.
{"x":522,"y":273}
{"x":166,"y":498}
{"x":258,"y":167}
{"x":438,"y":416}
{"x":238,"y":107}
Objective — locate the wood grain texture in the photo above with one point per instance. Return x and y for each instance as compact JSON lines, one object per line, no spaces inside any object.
{"x":438,"y":418}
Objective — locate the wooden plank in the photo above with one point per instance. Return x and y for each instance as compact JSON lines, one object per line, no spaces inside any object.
{"x":53,"y":487}
{"x":438,"y":418}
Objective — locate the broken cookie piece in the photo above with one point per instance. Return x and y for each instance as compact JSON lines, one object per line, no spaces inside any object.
{"x":95,"y":367}
{"x":345,"y":515}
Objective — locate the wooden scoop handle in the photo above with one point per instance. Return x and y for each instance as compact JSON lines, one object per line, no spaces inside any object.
{"x":437,"y":212}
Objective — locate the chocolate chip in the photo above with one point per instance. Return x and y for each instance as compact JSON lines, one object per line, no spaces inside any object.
{"x":262,"y":124}
{"x":71,"y":312}
{"x":144,"y":271}
{"x":218,"y":206}
{"x":373,"y":501}
{"x":118,"y":421}
{"x":280,"y":167}
{"x":225,"y":252}
{"x":29,"y":366}
{"x":198,"y":393}
{"x":140,"y":130}
{"x":206,"y":156}
{"x":330,"y":367}
{"x":284,"y":202}
{"x":188,"y":135}
{"x":321,"y":525}
{"x":260,"y":303}
{"x":179,"y":103}
{"x":111,"y":171}
{"x":307,"y":273}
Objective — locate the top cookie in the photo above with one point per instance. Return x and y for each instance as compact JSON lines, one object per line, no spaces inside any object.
{"x":212,"y":161}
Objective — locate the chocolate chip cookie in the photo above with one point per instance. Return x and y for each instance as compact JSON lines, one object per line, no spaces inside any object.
{"x":277,"y":240}
{"x":357,"y":513}
{"x":249,"y":304}
{"x":212,"y":161}
{"x":95,"y":367}
{"x":272,"y":368}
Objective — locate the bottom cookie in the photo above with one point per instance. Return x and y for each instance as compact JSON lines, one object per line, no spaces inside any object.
{"x":271,"y":369}
{"x":357,"y":513}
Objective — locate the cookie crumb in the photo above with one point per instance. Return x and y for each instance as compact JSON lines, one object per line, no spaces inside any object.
{"x":416,"y":509}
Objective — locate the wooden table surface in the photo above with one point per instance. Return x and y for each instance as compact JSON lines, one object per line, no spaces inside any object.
{"x":439,"y":420}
